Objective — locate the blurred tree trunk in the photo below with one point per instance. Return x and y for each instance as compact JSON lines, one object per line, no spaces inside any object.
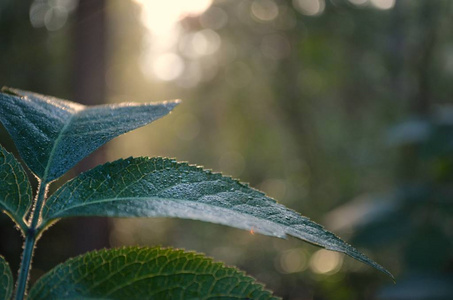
{"x":428,"y":21}
{"x":90,"y":52}
{"x":89,"y":89}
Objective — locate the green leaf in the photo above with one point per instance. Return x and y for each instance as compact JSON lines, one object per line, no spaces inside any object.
{"x":158,"y":187}
{"x":146,"y":273}
{"x":15,"y":189}
{"x":52,"y":135}
{"x":6,"y":280}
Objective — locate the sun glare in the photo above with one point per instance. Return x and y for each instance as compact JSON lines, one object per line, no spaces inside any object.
{"x":161,"y":18}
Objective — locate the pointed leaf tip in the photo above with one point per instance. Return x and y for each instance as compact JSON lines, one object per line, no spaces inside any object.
{"x":161,"y":187}
{"x":52,"y":134}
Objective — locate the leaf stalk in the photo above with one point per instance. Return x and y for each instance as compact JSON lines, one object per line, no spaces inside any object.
{"x":30,"y":242}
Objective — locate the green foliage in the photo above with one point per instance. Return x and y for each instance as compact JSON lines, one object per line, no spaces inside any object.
{"x":159,"y":187}
{"x":6,"y":280}
{"x":146,"y":273}
{"x":15,"y":189}
{"x":52,"y":135}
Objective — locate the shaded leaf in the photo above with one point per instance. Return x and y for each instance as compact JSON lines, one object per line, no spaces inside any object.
{"x":52,"y":135}
{"x":15,"y":189}
{"x":146,"y":273}
{"x":158,"y":187}
{"x":6,"y":280}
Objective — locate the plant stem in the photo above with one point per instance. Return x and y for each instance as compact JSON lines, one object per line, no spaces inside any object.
{"x":24,"y":270}
{"x":30,"y":242}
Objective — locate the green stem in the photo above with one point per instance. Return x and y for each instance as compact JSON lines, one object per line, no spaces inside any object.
{"x":30,"y":242}
{"x":29,"y":245}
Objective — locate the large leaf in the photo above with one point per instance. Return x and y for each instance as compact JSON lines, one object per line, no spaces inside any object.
{"x":52,"y":135}
{"x":157,"y":187}
{"x":145,"y":273}
{"x":15,"y":189}
{"x":6,"y":280}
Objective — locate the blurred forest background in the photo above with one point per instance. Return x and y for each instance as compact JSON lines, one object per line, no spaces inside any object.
{"x":339,"y":109}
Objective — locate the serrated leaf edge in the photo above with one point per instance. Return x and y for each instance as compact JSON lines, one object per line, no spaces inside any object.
{"x":359,"y":256}
{"x":197,"y":255}
{"x":9,"y":275}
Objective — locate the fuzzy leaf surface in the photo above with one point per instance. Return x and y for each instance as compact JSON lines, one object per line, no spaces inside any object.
{"x":15,"y":189}
{"x":6,"y":280}
{"x":146,"y":273}
{"x":159,"y":187}
{"x":52,"y":135}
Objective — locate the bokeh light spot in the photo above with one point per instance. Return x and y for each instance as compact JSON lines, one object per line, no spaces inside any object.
{"x":191,"y":76}
{"x":292,"y":261}
{"x":326,"y":262}
{"x":38,"y":12}
{"x":383,"y":4}
{"x":264,"y":10}
{"x":309,"y":7}
{"x":168,"y":66}
{"x":55,"y":19}
{"x":51,"y":14}
{"x":206,"y":42}
{"x":359,"y":2}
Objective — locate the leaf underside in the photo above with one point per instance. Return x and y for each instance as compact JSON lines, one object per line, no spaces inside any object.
{"x":146,"y":273}
{"x":159,"y":187}
{"x":6,"y":280}
{"x":15,"y":189}
{"x":52,"y":135}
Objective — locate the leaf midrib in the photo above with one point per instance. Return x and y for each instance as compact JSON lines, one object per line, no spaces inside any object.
{"x":61,"y":212}
{"x":363,"y":259}
{"x":55,"y":144}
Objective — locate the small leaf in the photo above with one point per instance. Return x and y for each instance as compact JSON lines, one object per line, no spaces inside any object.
{"x":146,"y":273}
{"x":158,"y":187}
{"x":52,"y":135}
{"x":15,"y":189}
{"x":6,"y":280}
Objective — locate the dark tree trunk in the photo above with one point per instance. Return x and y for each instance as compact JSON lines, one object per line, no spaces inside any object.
{"x":89,"y":89}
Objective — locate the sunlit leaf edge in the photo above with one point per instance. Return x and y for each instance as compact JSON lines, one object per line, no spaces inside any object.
{"x":6,"y":276}
{"x":17,"y":170}
{"x":57,"y":165}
